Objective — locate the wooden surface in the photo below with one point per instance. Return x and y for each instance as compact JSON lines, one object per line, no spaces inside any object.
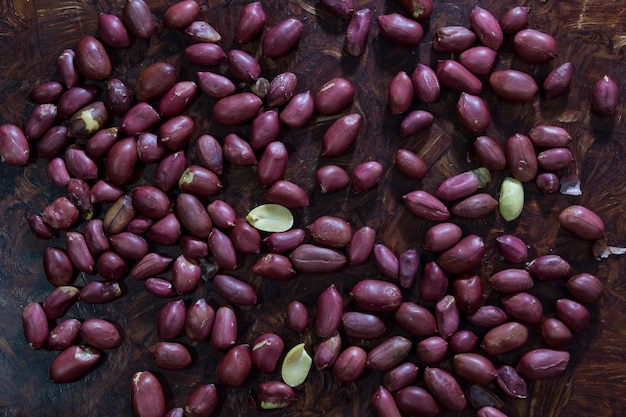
{"x":591,"y":35}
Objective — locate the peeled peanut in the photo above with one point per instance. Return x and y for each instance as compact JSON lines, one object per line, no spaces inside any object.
{"x":296,"y":366}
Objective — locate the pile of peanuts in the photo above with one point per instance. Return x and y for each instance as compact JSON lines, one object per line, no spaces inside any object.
{"x":70,"y":126}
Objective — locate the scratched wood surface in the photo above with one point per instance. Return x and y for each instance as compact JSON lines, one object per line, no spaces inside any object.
{"x":591,"y":35}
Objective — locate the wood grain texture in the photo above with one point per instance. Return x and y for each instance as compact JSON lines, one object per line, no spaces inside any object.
{"x":591,"y":35}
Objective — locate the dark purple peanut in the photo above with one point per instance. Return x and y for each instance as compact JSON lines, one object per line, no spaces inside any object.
{"x":357,"y":32}
{"x":581,"y":222}
{"x":201,"y":31}
{"x":489,"y":153}
{"x":59,"y":301}
{"x":460,"y":186}
{"x":298,"y":110}
{"x":386,"y":261}
{"x":159,"y":287}
{"x":193,"y":216}
{"x":170,"y":355}
{"x":97,"y":292}
{"x":310,"y":258}
{"x":222,"y":249}
{"x":92,"y":59}
{"x":558,"y":80}
{"x":400,"y":29}
{"x":57,"y":172}
{"x":434,"y":282}
{"x":139,"y":118}
{"x":575,"y":315}
{"x":408,"y":266}
{"x":514,"y":20}
{"x":215,"y":85}
{"x":176,"y":132}
{"x":100,"y":334}
{"x":281,"y":38}
{"x":327,"y":351}
{"x":146,"y":395}
{"x":361,"y":245}
{"x":66,"y":64}
{"x":363,"y":325}
{"x":400,"y":93}
{"x":555,"y":159}
{"x":513,"y":85}
{"x":200,"y":181}
{"x":463,"y":341}
{"x":605,"y":96}
{"x":39,"y":228}
{"x":99,"y":144}
{"x":181,"y":14}
{"x":555,"y":333}
{"x":486,"y":27}
{"x":274,"y":266}
{"x":75,"y":98}
{"x":272,"y":164}
{"x":234,"y":290}
{"x":416,"y":319}
{"x":281,"y":89}
{"x":453,"y":39}
{"x":547,"y":136}
{"x":521,"y":158}
{"x":51,"y":144}
{"x":60,"y":214}
{"x":35,"y":325}
{"x":383,"y":403}
{"x":205,"y":54}
{"x":473,"y":113}
{"x":265,"y":352}
{"x":447,"y":316}
{"x":151,"y":201}
{"x":284,"y":241}
{"x":209,"y":153}
{"x":251,"y":22}
{"x":418,"y":9}
{"x":237,"y":151}
{"x":422,"y":204}
{"x":479,"y":59}
{"x":243,"y":65}
{"x":246,"y":239}
{"x":199,"y":320}
{"x":416,"y":401}
{"x":118,"y":97}
{"x":375,"y":295}
{"x":445,"y":389}
{"x":442,"y":236}
{"x":511,"y":280}
{"x":224,"y":331}
{"x":287,"y":194}
{"x":489,"y":411}
{"x":457,"y":77}
{"x":415,"y":122}
{"x":79,"y":164}
{"x":340,"y":135}
{"x":550,"y":268}
{"x":265,"y":129}
{"x":388,"y":353}
{"x":487,"y":316}
{"x":431,"y":350}
{"x":543,"y":363}
{"x":548,"y":183}
{"x":63,"y":335}
{"x":330,"y":231}
{"x":47,"y":92}
{"x":79,"y":193}
{"x":112,"y":31}
{"x":78,"y":252}
{"x":343,"y":9}
{"x":468,"y":252}
{"x":401,"y":376}
{"x":467,"y":291}
{"x":234,"y":367}
{"x":474,"y":368}
{"x":272,"y":395}
{"x":186,"y":274}
{"x":331,"y":178}
{"x":350,"y":364}
{"x":585,"y":287}
{"x":535,"y":46}
{"x":524,"y":307}
{"x":72,"y":363}
{"x":329,"y":312}
{"x":202,"y":401}
{"x":333,"y":96}
{"x":58,"y":267}
{"x":236,"y":109}
{"x":512,"y":248}
{"x":171,"y":320}
{"x":511,"y":382}
{"x":425,"y":83}
{"x":150,"y":265}
{"x":121,"y":161}
{"x":410,"y":164}
{"x":129,"y":245}
{"x":137,"y":17}
{"x":297,"y":317}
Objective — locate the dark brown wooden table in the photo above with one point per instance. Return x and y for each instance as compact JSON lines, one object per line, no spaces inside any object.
{"x":590,"y":35}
